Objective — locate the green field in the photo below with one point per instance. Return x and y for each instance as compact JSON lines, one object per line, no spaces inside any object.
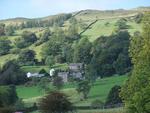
{"x":101,"y":29}
{"x":99,"y":90}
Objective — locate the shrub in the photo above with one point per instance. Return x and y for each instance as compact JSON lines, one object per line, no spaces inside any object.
{"x":55,"y":102}
{"x":122,"y":24}
{"x":15,"y":51}
{"x":113,"y":96}
{"x":8,"y":96}
{"x":44,"y":84}
{"x":97,"y":104}
{"x":84,"y":88}
{"x":6,"y":110}
{"x":43,"y":71}
{"x":19,"y":105}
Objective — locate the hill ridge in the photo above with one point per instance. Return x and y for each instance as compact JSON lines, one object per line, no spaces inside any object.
{"x":138,"y":9}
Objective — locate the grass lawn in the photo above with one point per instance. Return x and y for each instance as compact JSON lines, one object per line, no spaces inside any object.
{"x":34,"y":91}
{"x":28,"y":92}
{"x":99,"y":91}
{"x":34,"y":69}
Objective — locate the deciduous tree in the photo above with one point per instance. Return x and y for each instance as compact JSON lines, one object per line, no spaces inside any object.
{"x":83,"y":87}
{"x":136,"y":92}
{"x":4,"y":45}
{"x":55,"y":102}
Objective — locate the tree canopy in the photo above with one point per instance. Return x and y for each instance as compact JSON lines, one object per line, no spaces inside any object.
{"x":27,"y":38}
{"x":110,"y":54}
{"x":26,"y":57}
{"x":5,"y":45}
{"x":12,"y":74}
{"x":136,"y":92}
{"x":55,"y":102}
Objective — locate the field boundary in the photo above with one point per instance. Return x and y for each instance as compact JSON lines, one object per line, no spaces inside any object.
{"x":88,"y":27}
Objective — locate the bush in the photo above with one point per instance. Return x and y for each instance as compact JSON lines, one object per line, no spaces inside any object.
{"x":15,"y":51}
{"x":38,"y":43}
{"x":97,"y":104}
{"x":8,"y":96}
{"x":122,"y":24}
{"x":113,"y":96}
{"x":43,"y":71}
{"x":19,"y":105}
{"x":84,"y":88}
{"x":44,"y":84}
{"x":55,"y":102}
{"x":138,"y":18}
{"x":7,"y":110}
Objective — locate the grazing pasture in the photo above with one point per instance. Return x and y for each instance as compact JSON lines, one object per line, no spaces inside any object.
{"x":99,"y":90}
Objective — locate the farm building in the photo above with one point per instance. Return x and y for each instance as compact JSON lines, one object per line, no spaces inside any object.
{"x":76,"y":70}
{"x":64,"y":76}
{"x":51,"y":72}
{"x":34,"y":75}
{"x":76,"y":66}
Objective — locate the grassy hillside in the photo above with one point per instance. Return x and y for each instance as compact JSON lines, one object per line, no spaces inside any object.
{"x":104,"y":25}
{"x":88,"y":15}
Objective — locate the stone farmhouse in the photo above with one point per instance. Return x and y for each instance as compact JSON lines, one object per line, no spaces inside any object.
{"x":64,"y":76}
{"x":76,"y":71}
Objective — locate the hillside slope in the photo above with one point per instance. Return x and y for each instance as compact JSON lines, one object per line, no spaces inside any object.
{"x":98,"y":23}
